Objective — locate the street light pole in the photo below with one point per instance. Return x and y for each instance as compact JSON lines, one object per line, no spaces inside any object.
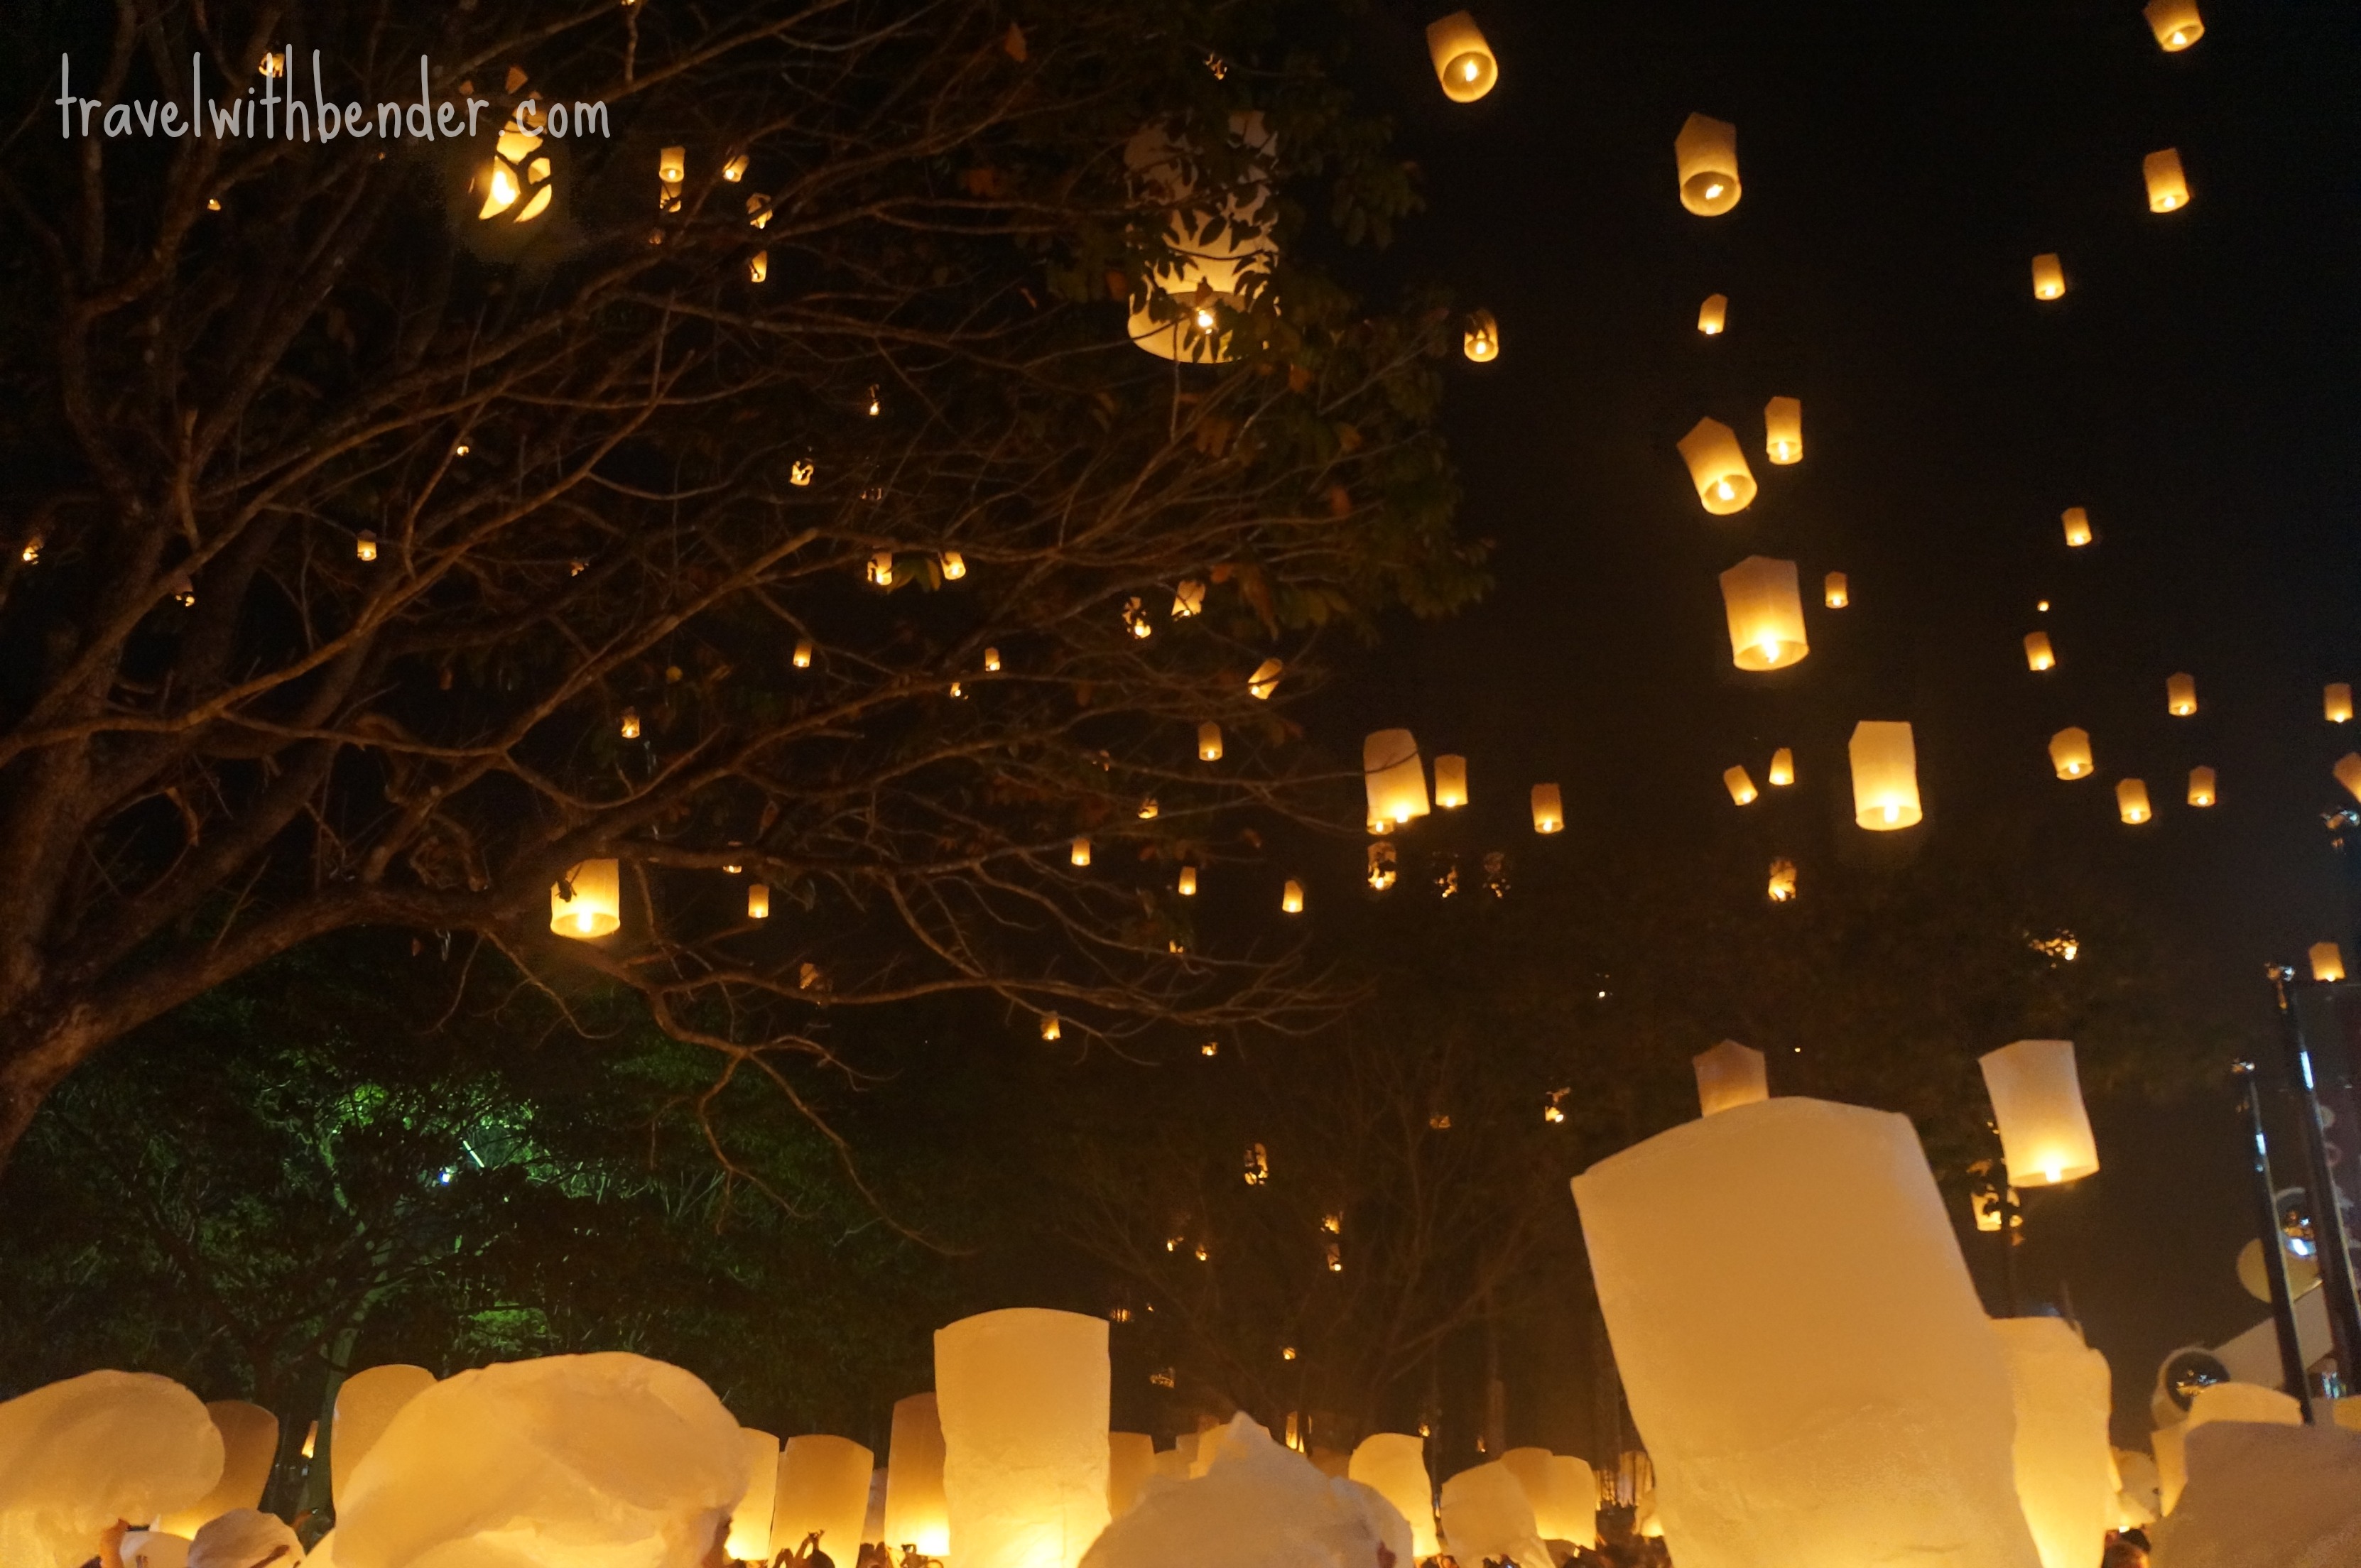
{"x":2327,"y":1215}
{"x":2274,"y":1245}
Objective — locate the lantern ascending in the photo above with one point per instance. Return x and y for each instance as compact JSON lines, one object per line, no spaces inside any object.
{"x":1783,"y":882}
{"x":758,"y":902}
{"x":2048,"y":275}
{"x":2349,"y":773}
{"x":1714,"y":314}
{"x":1718,"y":468}
{"x":2131,"y":801}
{"x":2175,"y":24}
{"x":1782,"y":768}
{"x":1209,"y":742}
{"x":1265,"y":680}
{"x":1450,"y":782}
{"x":364,"y":546}
{"x":1221,"y":254}
{"x":2078,"y":526}
{"x":1836,"y":590}
{"x":1707,"y":154}
{"x":588,"y":901}
{"x":2336,"y":702}
{"x":1765,"y":614}
{"x":1022,"y":1395}
{"x":1463,"y":59}
{"x":2070,"y":753}
{"x":1549,"y":811}
{"x":1187,"y":885}
{"x":2180,"y":696}
{"x":1482,"y":343}
{"x":1290,"y":899}
{"x":2036,"y":1099}
{"x":1394,"y":776}
{"x":2327,"y":961}
{"x":1741,"y":786}
{"x":2038,"y":654}
{"x":1885,"y":759}
{"x":803,"y":652}
{"x":1080,"y":851}
{"x":1783,"y":430}
{"x":2168,"y":186}
{"x":2202,"y":790}
{"x":1729,"y":1076}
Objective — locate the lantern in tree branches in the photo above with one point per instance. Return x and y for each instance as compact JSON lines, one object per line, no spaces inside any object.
{"x":1209,"y":742}
{"x":1265,"y":680}
{"x":588,"y":901}
{"x":758,"y":902}
{"x":1394,"y":778}
{"x":1290,"y":899}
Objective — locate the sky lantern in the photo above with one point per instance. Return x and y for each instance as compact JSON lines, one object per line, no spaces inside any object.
{"x":1765,"y":614}
{"x":2036,"y":1099}
{"x":1186,"y":886}
{"x":2168,"y":186}
{"x":1079,"y":853}
{"x":803,"y":652}
{"x":1393,"y":1465}
{"x":1740,"y":785}
{"x":2348,"y":772}
{"x":2065,"y":1478}
{"x":1463,"y":59}
{"x":2048,"y":277}
{"x":2078,"y":526}
{"x":2070,"y":753}
{"x":2202,"y":790}
{"x":2180,"y":696}
{"x":1707,"y":154}
{"x":1549,"y":811}
{"x":1450,"y":781}
{"x":2038,"y":654}
{"x":1783,"y":430}
{"x":1729,"y":1076}
{"x":2336,"y":702}
{"x":1394,"y":776}
{"x":1713,"y":316}
{"x":2327,"y":961}
{"x":1265,"y":680}
{"x":1218,"y":253}
{"x":750,"y":1521}
{"x":1291,"y":897}
{"x":588,"y":901}
{"x":823,"y":1485}
{"x":1482,"y":343}
{"x":249,"y":1439}
{"x":1885,"y":759}
{"x":2175,"y":24}
{"x":366,"y":1403}
{"x":1836,"y":590}
{"x":1131,"y":1460}
{"x":1209,"y":742}
{"x":758,"y":901}
{"x":2131,"y":801}
{"x":1718,"y":468}
{"x":1782,"y":768}
{"x":914,"y":1479}
{"x":364,"y":545}
{"x":1782,"y":887}
{"x":1024,"y":1394}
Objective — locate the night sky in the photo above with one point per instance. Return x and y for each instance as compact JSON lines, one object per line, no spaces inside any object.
{"x":2194,"y":392}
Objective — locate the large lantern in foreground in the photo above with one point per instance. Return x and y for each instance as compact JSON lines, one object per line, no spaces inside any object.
{"x":249,"y":1437}
{"x":1783,"y":430}
{"x":1718,"y":468}
{"x":1884,"y":759}
{"x":2175,"y":24}
{"x":750,"y":1521}
{"x":823,"y":1485}
{"x":1023,"y":1395}
{"x":1549,"y":811}
{"x":1393,"y":1465}
{"x":2070,"y":753}
{"x":1765,"y":614}
{"x":914,"y":1479}
{"x":1393,"y":776}
{"x":1729,"y":1076}
{"x":366,"y":1403}
{"x":2048,"y":275}
{"x":1707,"y":154}
{"x":588,"y":901}
{"x":2036,"y":1099}
{"x":2168,"y":186}
{"x":1464,"y":62}
{"x":2065,"y":1467}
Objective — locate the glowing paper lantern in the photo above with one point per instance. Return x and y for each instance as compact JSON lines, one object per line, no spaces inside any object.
{"x":1187,"y":886}
{"x":2036,"y":1099}
{"x":954,"y":565}
{"x":629,"y":728}
{"x":1482,"y":343}
{"x":1783,"y":430}
{"x":1209,"y":742}
{"x":249,"y":1437}
{"x":2168,"y":186}
{"x":823,"y":1485}
{"x":758,"y":902}
{"x":1463,"y":59}
{"x":2131,"y":801}
{"x":2175,"y":24}
{"x":1885,"y":775}
{"x":2180,"y":696}
{"x":1782,"y":768}
{"x":366,"y":1403}
{"x":2202,"y":790}
{"x":2336,"y":702}
{"x":2048,"y":277}
{"x":2078,"y":526}
{"x":915,"y":1516}
{"x":1549,"y":812}
{"x":1393,"y":776}
{"x":1714,"y":314}
{"x":750,"y":1521}
{"x":758,"y":267}
{"x":2065,"y":1468}
{"x":1265,"y":680}
{"x":1803,"y":1350}
{"x":1052,"y":1029}
{"x":1131,"y":1460}
{"x":2349,"y":773}
{"x":2039,"y":655}
{"x":1393,"y":1465}
{"x":1574,"y":1488}
{"x":1290,"y":899}
{"x":1783,"y":880}
{"x":1765,"y":614}
{"x":1836,"y":590}
{"x":586,"y":903}
{"x":803,"y":652}
{"x":1729,"y":1076}
{"x":1222,"y":248}
{"x":364,"y":545}
{"x":1537,"y":1475}
{"x":1741,"y":787}
{"x":1707,"y":155}
{"x":1450,"y":781}
{"x":1024,"y":1396}
{"x":2070,"y":753}
{"x":2327,"y":961}
{"x":1487,"y":1517}
{"x":79,"y":1455}
{"x":1718,"y":468}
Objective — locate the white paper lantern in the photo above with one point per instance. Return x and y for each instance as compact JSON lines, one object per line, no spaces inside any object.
{"x":2036,"y":1098}
{"x":1884,"y":758}
{"x":824,"y":1486}
{"x":366,"y":1403}
{"x":750,"y":1521}
{"x":79,"y":1455}
{"x":1729,"y":1076}
{"x":2065,"y":1467}
{"x":915,"y":1516}
{"x":1486,"y":1516}
{"x":249,"y":1437}
{"x":1131,"y":1458}
{"x":1765,"y":614}
{"x":1024,"y":1396}
{"x":1393,"y":1464}
{"x":1394,"y":776}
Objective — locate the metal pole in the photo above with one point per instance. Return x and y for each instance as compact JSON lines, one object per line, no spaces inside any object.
{"x":2273,"y":1244}
{"x":2327,"y":1219}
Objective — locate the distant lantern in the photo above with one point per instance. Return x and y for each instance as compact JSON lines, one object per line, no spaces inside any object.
{"x":1783,"y":430}
{"x":1714,"y":314}
{"x":1080,"y":854}
{"x":1265,"y":680}
{"x":1783,"y":882}
{"x":1463,"y":59}
{"x":1885,"y":775}
{"x":2180,"y":696}
{"x":672,"y":165}
{"x":1188,"y":599}
{"x":992,"y":660}
{"x":2202,"y":790}
{"x":2037,"y":1099}
{"x":1450,"y":781}
{"x":364,"y":546}
{"x":1706,"y":153}
{"x":629,"y":726}
{"x":1147,"y":808}
{"x":1718,"y":468}
{"x":2168,"y":186}
{"x":803,"y":652}
{"x":2070,"y":753}
{"x":758,"y":267}
{"x":1050,"y":1028}
{"x":1765,"y":614}
{"x":2175,"y":24}
{"x":735,"y":168}
{"x":881,"y":569}
{"x":758,"y":902}
{"x":1483,"y":340}
{"x":1290,"y":899}
{"x":2327,"y":961}
{"x":2349,"y":773}
{"x":2336,"y":702}
{"x":1729,"y":1076}
{"x":799,"y":473}
{"x":1549,"y":811}
{"x":588,"y":901}
{"x":2048,"y":275}
{"x":2038,"y":654}
{"x":1209,"y":742}
{"x":1836,"y":590}
{"x":1385,"y":866}
{"x":1741,"y":786}
{"x":1782,"y":768}
{"x":954,"y":565}
{"x":2131,"y":801}
{"x":1394,"y":776}
{"x":2078,"y":526}
{"x":1187,"y":887}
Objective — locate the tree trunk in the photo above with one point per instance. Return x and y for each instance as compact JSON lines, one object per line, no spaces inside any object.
{"x":34,"y":1059}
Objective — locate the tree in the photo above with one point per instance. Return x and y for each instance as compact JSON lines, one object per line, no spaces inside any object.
{"x":398,"y":530}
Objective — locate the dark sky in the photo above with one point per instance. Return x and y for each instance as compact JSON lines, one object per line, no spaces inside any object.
{"x":2195,"y":391}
